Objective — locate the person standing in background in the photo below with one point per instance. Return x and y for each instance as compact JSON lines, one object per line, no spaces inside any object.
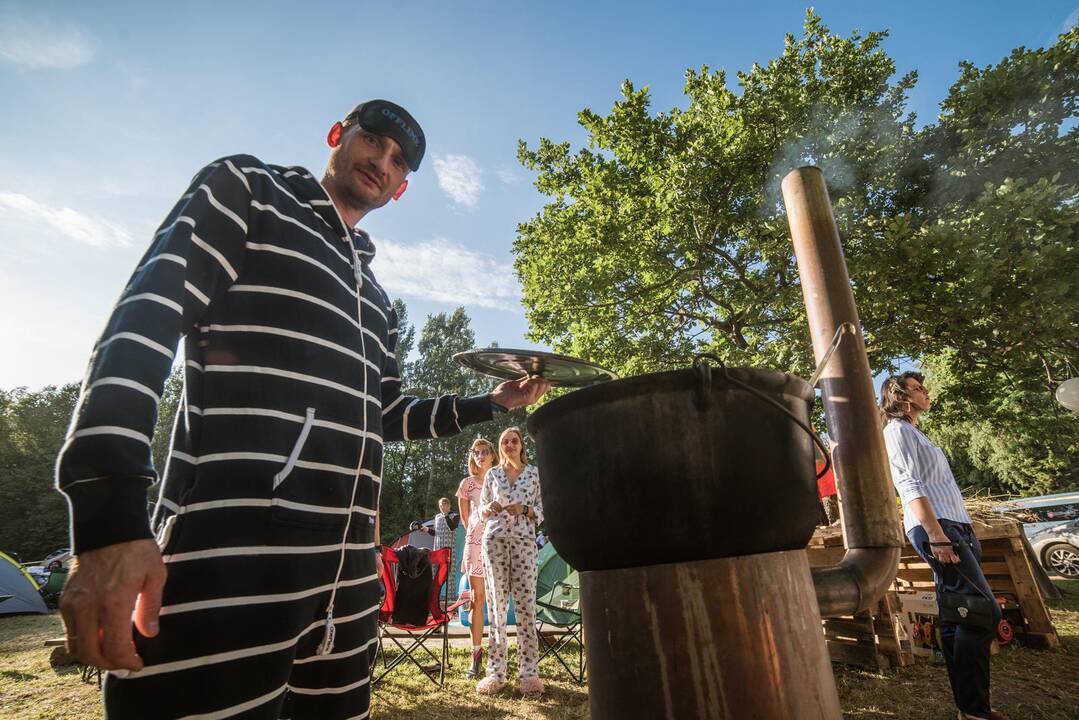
{"x":512,"y":508}
{"x":444,"y":525}
{"x":481,"y":458}
{"x":939,"y":527}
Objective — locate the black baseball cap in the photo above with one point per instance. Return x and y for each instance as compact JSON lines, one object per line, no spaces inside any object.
{"x":382,"y":117}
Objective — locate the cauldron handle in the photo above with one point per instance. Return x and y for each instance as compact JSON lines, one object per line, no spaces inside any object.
{"x":704,"y":392}
{"x":704,"y":385}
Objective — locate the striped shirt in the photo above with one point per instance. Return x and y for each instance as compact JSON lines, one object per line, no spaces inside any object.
{"x":291,"y":382}
{"x":919,"y":469}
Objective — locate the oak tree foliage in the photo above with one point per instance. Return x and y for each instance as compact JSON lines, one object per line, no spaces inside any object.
{"x":666,"y":236}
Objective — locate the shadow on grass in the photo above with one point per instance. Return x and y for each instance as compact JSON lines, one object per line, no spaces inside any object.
{"x":17,"y":676}
{"x":65,"y":670}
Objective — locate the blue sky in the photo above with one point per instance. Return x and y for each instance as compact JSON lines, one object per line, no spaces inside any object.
{"x":111,"y":107}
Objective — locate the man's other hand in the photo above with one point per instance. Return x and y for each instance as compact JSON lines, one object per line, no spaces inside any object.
{"x":109,"y":588}
{"x":518,"y":393}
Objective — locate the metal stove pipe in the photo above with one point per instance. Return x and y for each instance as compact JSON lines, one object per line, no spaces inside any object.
{"x":867,"y":501}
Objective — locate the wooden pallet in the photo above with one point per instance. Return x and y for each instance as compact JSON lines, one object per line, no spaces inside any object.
{"x":876,"y":640}
{"x":869,"y":639}
{"x":1009,"y":572}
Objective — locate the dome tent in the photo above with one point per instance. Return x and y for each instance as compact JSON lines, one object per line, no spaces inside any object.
{"x":16,"y":583}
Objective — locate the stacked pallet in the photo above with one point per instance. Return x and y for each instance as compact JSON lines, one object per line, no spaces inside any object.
{"x":875,"y":640}
{"x":1008,"y":569}
{"x":879,"y":639}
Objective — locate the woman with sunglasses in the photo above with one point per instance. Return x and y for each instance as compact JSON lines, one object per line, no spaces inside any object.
{"x":481,"y":458}
{"x":512,"y":509}
{"x":938,"y":526}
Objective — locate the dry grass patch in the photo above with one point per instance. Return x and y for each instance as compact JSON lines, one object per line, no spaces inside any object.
{"x":30,"y":688}
{"x":406,"y":695}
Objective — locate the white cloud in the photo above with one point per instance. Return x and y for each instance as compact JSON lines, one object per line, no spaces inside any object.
{"x":20,"y":214}
{"x":459,"y":177}
{"x":443,"y":271}
{"x":508,"y":177}
{"x":40,"y":44}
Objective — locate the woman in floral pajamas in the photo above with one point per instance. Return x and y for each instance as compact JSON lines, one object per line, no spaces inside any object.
{"x":481,"y":458}
{"x":512,"y":507}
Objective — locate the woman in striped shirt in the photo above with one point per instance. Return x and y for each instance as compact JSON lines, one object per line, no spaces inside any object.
{"x":939,"y":528}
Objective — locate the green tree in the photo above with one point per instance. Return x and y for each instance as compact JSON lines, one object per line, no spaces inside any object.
{"x":417,"y":473}
{"x":999,"y":323}
{"x":33,"y":515}
{"x":666,"y":236}
{"x":171,"y":395}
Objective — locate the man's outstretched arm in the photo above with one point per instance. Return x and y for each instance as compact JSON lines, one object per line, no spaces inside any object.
{"x":411,"y":418}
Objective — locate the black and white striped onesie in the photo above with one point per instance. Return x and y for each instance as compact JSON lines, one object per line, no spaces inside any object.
{"x":267,"y":507}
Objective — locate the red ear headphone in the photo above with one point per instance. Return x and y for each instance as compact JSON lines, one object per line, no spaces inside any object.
{"x":333,"y":137}
{"x":400,"y":191}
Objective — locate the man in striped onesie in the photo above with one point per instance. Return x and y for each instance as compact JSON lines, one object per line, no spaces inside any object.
{"x":253,"y":589}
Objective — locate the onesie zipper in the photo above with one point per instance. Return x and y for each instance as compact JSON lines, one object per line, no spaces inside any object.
{"x":326,"y":646}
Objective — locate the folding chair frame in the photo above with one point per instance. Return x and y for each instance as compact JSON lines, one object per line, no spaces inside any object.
{"x":415,"y":642}
{"x":556,"y":640}
{"x":555,"y":643}
{"x":439,"y":615}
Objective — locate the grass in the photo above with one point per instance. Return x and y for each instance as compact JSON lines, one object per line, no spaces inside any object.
{"x":30,"y":688}
{"x":1027,"y":684}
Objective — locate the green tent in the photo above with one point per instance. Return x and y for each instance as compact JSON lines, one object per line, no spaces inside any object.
{"x":552,"y":569}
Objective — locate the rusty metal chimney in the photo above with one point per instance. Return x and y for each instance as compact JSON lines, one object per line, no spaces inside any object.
{"x":867,"y":501}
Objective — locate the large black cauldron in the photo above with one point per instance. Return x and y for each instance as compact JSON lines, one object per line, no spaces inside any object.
{"x":676,"y":466}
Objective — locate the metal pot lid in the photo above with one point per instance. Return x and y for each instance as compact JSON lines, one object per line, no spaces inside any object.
{"x":509,"y":364}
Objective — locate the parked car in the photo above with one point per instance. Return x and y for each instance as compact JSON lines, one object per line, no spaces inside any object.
{"x":1058,"y":548}
{"x":63,"y":555}
{"x":1044,"y":511}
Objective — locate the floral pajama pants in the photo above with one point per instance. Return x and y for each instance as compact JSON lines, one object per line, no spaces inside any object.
{"x":510,"y":566}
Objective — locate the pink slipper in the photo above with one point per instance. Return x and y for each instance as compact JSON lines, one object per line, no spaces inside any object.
{"x":490,"y":685}
{"x":531,"y":686}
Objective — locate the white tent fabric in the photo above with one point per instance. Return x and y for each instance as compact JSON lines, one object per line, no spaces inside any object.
{"x":17,"y":583}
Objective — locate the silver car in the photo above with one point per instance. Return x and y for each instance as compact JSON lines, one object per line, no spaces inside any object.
{"x":1058,"y":548}
{"x":1043,"y":511}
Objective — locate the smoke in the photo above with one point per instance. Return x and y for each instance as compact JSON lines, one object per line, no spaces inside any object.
{"x":845,"y":143}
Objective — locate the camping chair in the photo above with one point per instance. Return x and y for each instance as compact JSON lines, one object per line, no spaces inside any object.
{"x":50,"y":591}
{"x":414,"y":580}
{"x":559,"y":614}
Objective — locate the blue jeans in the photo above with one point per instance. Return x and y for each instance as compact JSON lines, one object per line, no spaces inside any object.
{"x":966,"y":648}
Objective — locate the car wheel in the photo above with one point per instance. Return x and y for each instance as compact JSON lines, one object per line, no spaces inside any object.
{"x":1063,"y":559}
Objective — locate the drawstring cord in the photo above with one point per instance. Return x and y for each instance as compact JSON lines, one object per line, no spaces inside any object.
{"x":326,"y":646}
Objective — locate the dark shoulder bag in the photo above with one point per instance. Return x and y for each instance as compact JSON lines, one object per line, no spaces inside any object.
{"x":971,"y":610}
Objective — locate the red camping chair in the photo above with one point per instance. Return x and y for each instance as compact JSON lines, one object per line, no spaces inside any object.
{"x":424,"y":573}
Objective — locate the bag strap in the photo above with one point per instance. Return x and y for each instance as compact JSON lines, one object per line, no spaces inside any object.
{"x":954,"y":545}
{"x":976,"y":586}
